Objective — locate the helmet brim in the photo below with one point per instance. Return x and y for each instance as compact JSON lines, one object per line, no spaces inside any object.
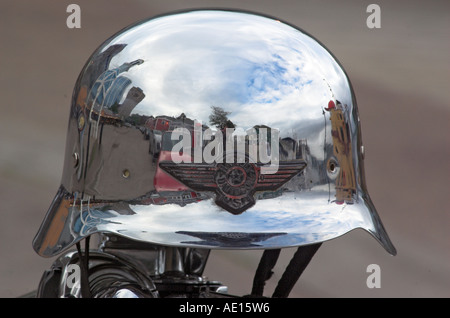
{"x":294,"y":221}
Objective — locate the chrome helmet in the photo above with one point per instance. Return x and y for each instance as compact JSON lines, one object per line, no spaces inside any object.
{"x":212,"y":129}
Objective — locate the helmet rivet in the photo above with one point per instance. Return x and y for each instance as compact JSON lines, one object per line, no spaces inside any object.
{"x":126,"y":173}
{"x":76,"y":159}
{"x":332,"y":166}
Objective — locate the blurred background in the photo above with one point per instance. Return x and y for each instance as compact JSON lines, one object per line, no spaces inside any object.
{"x":400,"y":74}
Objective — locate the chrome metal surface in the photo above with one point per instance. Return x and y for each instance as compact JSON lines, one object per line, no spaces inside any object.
{"x":120,"y":268}
{"x":109,"y":277}
{"x":205,"y":71}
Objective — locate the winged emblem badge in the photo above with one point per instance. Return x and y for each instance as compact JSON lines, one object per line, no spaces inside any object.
{"x":233,"y":183}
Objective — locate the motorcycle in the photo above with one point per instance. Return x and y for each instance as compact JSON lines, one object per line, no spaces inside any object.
{"x":121,"y":268}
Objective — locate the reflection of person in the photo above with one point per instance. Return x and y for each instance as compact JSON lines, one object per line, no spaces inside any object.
{"x":342,"y":149}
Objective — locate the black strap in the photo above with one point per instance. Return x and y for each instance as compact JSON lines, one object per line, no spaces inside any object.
{"x":84,"y":267}
{"x":264,"y":271}
{"x":296,"y":266}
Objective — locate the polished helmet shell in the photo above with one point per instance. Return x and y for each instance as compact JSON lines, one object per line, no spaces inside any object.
{"x":207,"y":73}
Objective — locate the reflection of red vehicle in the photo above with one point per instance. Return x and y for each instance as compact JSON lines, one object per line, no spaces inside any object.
{"x":162,"y":124}
{"x":163,"y":181}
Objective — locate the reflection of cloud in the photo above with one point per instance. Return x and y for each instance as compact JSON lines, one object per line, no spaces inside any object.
{"x":260,"y":70}
{"x":303,"y":217}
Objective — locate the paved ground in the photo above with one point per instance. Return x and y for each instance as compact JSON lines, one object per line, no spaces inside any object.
{"x":400,"y":74}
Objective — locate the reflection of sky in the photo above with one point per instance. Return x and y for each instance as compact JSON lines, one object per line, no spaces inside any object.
{"x":264,"y":73}
{"x":260,"y":70}
{"x":303,"y":217}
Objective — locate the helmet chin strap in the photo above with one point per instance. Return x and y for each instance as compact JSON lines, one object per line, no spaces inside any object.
{"x":292,"y":273}
{"x":84,"y":267}
{"x":264,"y":271}
{"x":269,"y":258}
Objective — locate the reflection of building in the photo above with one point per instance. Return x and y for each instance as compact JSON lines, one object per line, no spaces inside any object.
{"x":158,"y":130}
{"x":135,"y":96}
{"x":109,"y":89}
{"x":291,"y":149}
{"x":166,"y":123}
{"x":100,"y":64}
{"x":163,"y":181}
{"x":342,"y":149}
{"x":160,"y":123}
